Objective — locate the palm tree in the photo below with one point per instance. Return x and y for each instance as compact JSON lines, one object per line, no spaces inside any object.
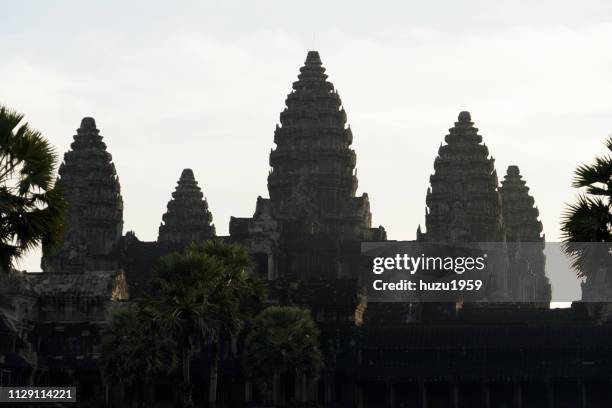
{"x":200,"y":295}
{"x":132,"y":350}
{"x":589,"y":220}
{"x":31,"y":208}
{"x":237,"y":300}
{"x":283,"y":340}
{"x":181,"y":304}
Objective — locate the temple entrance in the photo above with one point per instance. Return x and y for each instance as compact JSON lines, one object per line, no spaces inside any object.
{"x":407,"y":394}
{"x":375,"y":394}
{"x":501,"y":395}
{"x":470,"y":395}
{"x":438,"y":395}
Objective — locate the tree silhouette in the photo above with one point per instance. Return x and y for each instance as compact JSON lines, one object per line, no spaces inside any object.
{"x":31,"y":208}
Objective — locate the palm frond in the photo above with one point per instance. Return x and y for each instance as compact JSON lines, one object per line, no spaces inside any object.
{"x":31,"y":209}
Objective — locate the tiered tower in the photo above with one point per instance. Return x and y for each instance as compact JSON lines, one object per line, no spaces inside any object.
{"x":301,"y":231}
{"x":463,"y":202}
{"x":187,"y":218}
{"x":525,"y":239}
{"x":520,"y":214}
{"x":313,"y":176}
{"x":94,"y":220}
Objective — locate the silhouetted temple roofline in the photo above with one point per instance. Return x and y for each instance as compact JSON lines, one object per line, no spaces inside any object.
{"x":88,"y":123}
{"x":313,"y":58}
{"x":187,"y":176}
{"x":457,"y":212}
{"x":94,"y":220}
{"x":465,"y":117}
{"x":187,"y":218}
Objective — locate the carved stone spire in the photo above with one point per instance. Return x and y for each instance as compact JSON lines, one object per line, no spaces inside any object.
{"x":522,"y":226}
{"x":520,"y":214}
{"x":463,"y":201}
{"x":313,"y":142}
{"x":313,"y":162}
{"x":312,"y":212}
{"x":94,"y":220}
{"x":187,"y":218}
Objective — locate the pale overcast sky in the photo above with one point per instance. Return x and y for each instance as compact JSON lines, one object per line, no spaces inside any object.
{"x":201,"y":85}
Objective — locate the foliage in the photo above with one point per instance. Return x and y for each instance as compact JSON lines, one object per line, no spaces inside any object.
{"x":133,"y":349}
{"x":589,"y":219}
{"x":31,"y":208}
{"x":202,"y":294}
{"x":283,"y":340}
{"x":245,"y":291}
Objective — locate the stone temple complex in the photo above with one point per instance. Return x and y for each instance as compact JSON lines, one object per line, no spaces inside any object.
{"x":312,"y":212}
{"x":305,"y":240}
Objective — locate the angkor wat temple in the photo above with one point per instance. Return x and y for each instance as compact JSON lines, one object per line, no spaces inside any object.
{"x":305,"y":240}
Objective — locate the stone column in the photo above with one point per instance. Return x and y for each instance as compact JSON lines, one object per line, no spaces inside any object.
{"x":271,"y":271}
{"x":486,"y":394}
{"x":550,"y":394}
{"x":518,"y":395}
{"x":329,"y":389}
{"x":359,"y":395}
{"x":583,"y":394}
{"x":248,"y":391}
{"x":390,"y":394}
{"x":423,"y":394}
{"x":455,"y":394}
{"x":107,"y":394}
{"x":349,"y":398}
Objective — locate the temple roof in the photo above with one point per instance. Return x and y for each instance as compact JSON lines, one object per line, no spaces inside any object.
{"x":187,"y":218}
{"x":313,"y":58}
{"x":91,"y":283}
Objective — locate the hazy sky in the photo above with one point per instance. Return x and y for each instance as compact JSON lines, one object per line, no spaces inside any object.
{"x":201,"y":85}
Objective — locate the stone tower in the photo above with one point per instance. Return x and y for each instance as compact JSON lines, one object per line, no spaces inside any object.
{"x":312,"y":212}
{"x":463,"y":201}
{"x":94,"y":220}
{"x":525,"y":239}
{"x":520,"y":214}
{"x":313,"y":176}
{"x":187,"y":218}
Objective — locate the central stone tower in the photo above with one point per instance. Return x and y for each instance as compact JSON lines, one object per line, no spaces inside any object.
{"x":312,"y":183}
{"x":312,"y":211}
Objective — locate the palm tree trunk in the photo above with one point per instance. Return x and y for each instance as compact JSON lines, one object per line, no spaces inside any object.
{"x":214,"y":375}
{"x":185,"y":362}
{"x":140,"y":394}
{"x":276,"y":390}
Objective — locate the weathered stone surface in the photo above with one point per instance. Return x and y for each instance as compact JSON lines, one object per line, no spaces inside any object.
{"x":312,"y":209}
{"x":463,"y":203}
{"x":94,"y":221}
{"x":187,"y":218}
{"x":527,"y":261}
{"x":313,"y":178}
{"x":520,"y":213}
